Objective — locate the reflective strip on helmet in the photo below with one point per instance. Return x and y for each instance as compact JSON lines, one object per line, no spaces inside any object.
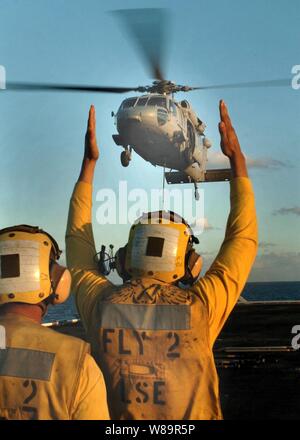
{"x":28,"y":253}
{"x":145,"y":317}
{"x":164,"y":263}
{"x":29,"y":364}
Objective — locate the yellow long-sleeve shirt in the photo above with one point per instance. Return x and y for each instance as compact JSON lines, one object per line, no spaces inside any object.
{"x":45,"y":375}
{"x":160,"y":372}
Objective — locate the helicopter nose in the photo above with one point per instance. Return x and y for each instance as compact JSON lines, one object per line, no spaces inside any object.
{"x":129,"y":116}
{"x":137,"y":118}
{"x":129,"y":122}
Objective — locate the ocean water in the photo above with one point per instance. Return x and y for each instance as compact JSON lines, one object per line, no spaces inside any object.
{"x":273,"y":291}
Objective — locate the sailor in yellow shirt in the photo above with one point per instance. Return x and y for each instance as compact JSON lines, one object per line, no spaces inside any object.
{"x":44,"y":375}
{"x":152,"y":339}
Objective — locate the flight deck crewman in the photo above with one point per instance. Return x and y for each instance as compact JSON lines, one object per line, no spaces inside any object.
{"x":44,"y":375}
{"x":152,"y":339}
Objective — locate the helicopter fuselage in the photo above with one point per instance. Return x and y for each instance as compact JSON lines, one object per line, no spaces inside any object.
{"x":161,"y":130}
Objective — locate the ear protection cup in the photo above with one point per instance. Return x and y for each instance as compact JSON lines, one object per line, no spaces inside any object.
{"x":61,"y":282}
{"x":120,"y":259}
{"x":193,"y":266}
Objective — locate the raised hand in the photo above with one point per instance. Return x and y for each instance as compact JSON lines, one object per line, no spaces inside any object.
{"x":230,"y":144}
{"x":91,"y":150}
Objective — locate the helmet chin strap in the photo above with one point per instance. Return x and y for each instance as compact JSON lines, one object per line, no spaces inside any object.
{"x":44,"y":307}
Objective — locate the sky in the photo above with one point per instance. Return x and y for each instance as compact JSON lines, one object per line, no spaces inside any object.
{"x":216,"y":42}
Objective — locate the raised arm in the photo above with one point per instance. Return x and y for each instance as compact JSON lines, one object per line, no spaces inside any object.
{"x":223,"y":283}
{"x":87,"y":283}
{"x":91,"y":150}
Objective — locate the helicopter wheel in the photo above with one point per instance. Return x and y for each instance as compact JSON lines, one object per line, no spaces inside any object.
{"x":125,"y":158}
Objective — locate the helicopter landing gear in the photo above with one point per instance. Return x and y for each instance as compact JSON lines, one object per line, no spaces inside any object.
{"x":197,"y":195}
{"x":126,"y":157}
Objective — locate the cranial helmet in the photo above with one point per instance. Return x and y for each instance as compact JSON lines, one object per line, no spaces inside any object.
{"x":29,"y":272}
{"x":160,"y":246}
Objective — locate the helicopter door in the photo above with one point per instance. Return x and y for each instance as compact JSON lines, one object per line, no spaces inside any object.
{"x":189,"y":151}
{"x":190,"y":135}
{"x":180,"y":119}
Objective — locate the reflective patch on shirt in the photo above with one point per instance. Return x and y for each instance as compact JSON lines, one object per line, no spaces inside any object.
{"x":29,"y":364}
{"x":28,"y":277}
{"x":145,"y":317}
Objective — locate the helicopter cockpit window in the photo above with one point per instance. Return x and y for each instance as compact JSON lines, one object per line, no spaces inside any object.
{"x":129,"y":103}
{"x":157,"y":101}
{"x":142,"y":101}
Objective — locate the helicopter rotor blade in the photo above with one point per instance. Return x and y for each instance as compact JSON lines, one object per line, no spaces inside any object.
{"x":253,"y":84}
{"x":148,"y":29}
{"x":36,"y":87}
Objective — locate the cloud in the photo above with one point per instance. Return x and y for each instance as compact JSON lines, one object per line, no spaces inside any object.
{"x":207,"y":226}
{"x":286,"y":211}
{"x":268,"y":266}
{"x":266,"y":245}
{"x":266,"y":163}
{"x":217,"y":159}
{"x":276,"y":266}
{"x":208,"y":253}
{"x":202,"y":224}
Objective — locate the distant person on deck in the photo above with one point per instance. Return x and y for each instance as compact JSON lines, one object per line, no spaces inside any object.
{"x":152,"y":339}
{"x":44,"y":375}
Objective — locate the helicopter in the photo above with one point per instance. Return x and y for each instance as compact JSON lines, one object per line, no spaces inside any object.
{"x":161,"y":130}
{"x":164,"y":132}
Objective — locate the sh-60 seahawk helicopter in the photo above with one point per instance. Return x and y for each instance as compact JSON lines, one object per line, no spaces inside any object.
{"x":165,"y":132}
{"x":162,"y":131}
